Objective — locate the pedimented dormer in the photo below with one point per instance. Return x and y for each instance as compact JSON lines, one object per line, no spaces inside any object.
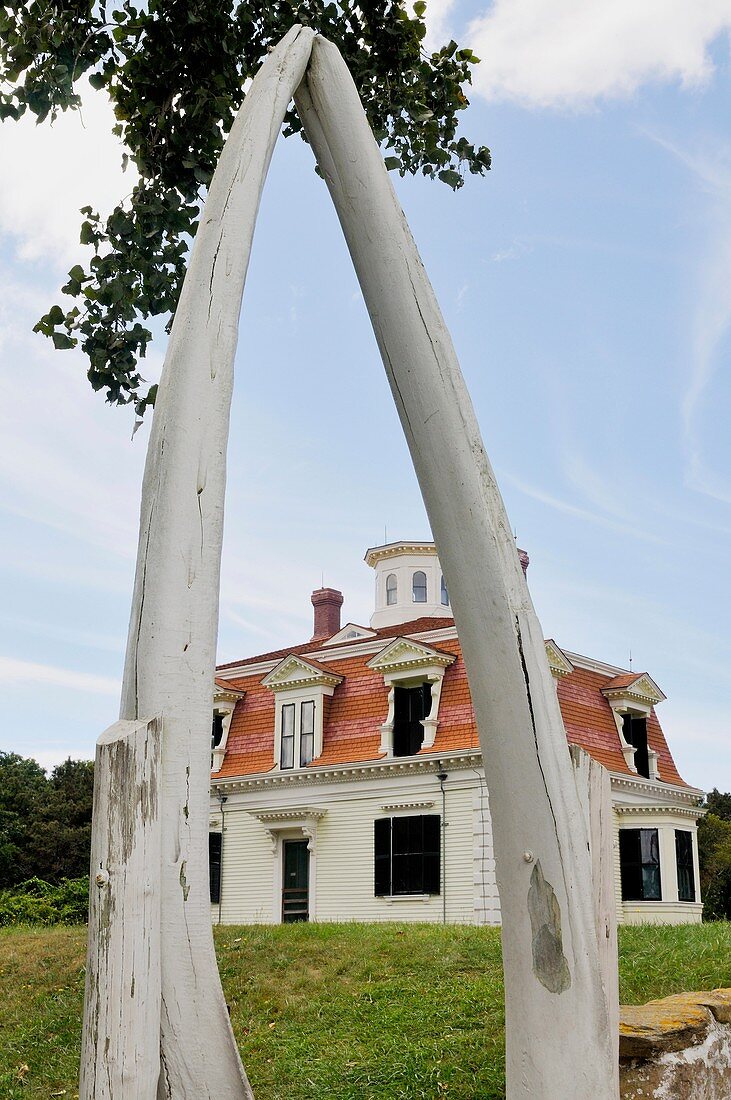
{"x":558,"y":662}
{"x":225,"y":699}
{"x":301,"y":688}
{"x":632,"y":695}
{"x":413,"y":673}
{"x":350,"y":633}
{"x":633,"y":691}
{"x":294,"y":672}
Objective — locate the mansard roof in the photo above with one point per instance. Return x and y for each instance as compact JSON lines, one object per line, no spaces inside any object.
{"x":359,"y":704}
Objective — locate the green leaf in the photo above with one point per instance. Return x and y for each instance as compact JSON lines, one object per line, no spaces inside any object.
{"x":61,"y":342}
{"x":419,"y":8}
{"x":392,"y":163}
{"x":98,"y":81}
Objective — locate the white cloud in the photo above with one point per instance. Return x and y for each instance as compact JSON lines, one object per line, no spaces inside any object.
{"x":710,"y":169}
{"x":56,"y":169}
{"x":14,"y":671}
{"x":438,"y":30}
{"x":569,"y":53}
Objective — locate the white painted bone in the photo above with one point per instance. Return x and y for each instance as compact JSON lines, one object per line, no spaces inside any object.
{"x":557,"y":1042}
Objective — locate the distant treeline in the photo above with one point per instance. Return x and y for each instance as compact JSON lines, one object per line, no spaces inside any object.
{"x":45,"y":820}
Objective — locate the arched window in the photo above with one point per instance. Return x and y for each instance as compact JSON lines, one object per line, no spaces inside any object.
{"x":391,"y":589}
{"x":418,"y":587}
{"x":445,"y":594}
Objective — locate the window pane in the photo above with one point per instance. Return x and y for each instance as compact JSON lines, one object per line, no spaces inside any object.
{"x":214,"y":866}
{"x":445,"y":594}
{"x":217,"y":731}
{"x":391,"y":589}
{"x":308,"y":717}
{"x":307,"y":749}
{"x":415,"y":854}
{"x":684,"y":864}
{"x":287,"y":753}
{"x":418,"y":589}
{"x":650,"y":882}
{"x":649,"y":846}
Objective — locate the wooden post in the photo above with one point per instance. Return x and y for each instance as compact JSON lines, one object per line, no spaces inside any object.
{"x":594,"y":788}
{"x":557,"y":1035}
{"x":120,"y":1055}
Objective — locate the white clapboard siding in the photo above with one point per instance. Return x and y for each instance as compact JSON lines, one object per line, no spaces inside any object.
{"x":342,"y":862}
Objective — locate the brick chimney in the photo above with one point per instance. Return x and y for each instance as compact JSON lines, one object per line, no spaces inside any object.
{"x":327,"y":603}
{"x":524,"y":561}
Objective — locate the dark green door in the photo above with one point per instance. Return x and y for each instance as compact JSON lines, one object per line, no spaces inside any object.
{"x":295,"y":886}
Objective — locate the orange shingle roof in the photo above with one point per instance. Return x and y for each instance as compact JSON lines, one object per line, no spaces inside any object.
{"x":359,"y":705}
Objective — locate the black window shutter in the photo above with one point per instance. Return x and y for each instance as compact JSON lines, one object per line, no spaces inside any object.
{"x":214,"y":866}
{"x":432,"y":861}
{"x":382,"y":856}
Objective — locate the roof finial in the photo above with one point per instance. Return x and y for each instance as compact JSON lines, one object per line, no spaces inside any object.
{"x":385,"y":535}
{"x":630,"y":660}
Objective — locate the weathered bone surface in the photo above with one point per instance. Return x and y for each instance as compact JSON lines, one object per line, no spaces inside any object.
{"x":171,"y":650}
{"x":558,"y":1044}
{"x":122,"y":1006}
{"x":537,"y":818}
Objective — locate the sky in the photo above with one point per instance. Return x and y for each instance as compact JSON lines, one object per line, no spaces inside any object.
{"x":586,"y":281}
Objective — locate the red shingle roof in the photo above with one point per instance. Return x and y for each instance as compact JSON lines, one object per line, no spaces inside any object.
{"x":359,"y":705}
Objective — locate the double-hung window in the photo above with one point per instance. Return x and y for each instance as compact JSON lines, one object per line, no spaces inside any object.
{"x":215,"y":842}
{"x":639,"y":857}
{"x":407,"y":855}
{"x":297,"y":741}
{"x":684,"y":864}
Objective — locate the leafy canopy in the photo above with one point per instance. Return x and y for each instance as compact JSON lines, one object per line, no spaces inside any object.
{"x":175,"y":71}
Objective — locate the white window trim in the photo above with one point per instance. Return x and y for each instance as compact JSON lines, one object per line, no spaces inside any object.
{"x":410,"y":678}
{"x":224,"y":703}
{"x":316,"y":694}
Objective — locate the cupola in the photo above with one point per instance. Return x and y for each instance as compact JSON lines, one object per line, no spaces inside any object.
{"x":409,"y":583}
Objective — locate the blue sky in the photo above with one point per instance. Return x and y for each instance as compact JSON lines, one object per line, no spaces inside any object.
{"x":586,"y":284}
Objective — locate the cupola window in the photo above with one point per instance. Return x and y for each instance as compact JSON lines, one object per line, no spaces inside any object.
{"x":391,"y":589}
{"x":418,"y":587}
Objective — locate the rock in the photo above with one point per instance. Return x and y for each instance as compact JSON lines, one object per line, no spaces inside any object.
{"x":718,"y":1001}
{"x":671,"y":1024}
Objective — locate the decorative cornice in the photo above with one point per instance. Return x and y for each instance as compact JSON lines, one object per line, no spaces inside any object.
{"x":391,"y":807}
{"x":291,"y":813}
{"x":228,"y":695}
{"x":397,"y":549}
{"x":311,"y":675}
{"x":643,"y":689}
{"x":558,"y":662}
{"x":675,"y":811}
{"x":345,"y":773}
{"x":404,"y":653}
{"x":691,"y":795}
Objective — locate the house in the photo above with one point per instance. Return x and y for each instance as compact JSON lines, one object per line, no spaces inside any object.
{"x":347,"y":780}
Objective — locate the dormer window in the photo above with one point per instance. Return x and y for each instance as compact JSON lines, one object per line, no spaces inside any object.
{"x":217,"y":731}
{"x":635,"y":734}
{"x":391,"y":590}
{"x":225,"y":698}
{"x":418,"y":587}
{"x":411,"y":705}
{"x":413,"y":673}
{"x":301,"y":688}
{"x":445,"y":594}
{"x":297,"y":729}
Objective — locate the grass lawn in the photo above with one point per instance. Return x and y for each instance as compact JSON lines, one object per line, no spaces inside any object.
{"x":349,"y":1012}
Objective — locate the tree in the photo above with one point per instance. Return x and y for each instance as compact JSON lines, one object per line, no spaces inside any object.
{"x":45,"y":823}
{"x":22,"y":794}
{"x":59,"y":845}
{"x":714,"y":851}
{"x":176,"y":71}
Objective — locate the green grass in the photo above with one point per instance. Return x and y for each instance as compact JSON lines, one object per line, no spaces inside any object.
{"x":350,"y":1012}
